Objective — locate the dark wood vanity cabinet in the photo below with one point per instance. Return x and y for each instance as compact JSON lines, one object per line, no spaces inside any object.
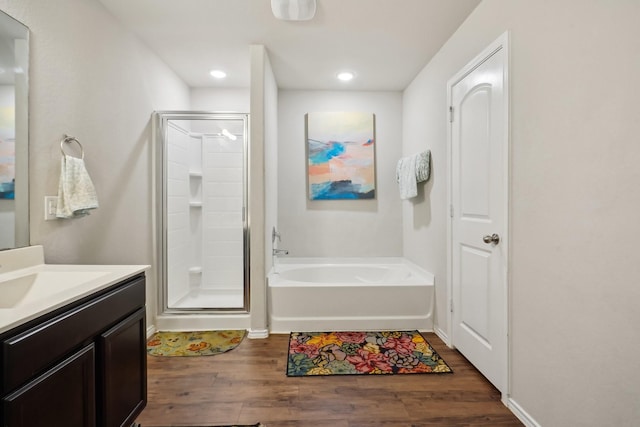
{"x":82,"y":365}
{"x":65,"y":392}
{"x":123,"y":377}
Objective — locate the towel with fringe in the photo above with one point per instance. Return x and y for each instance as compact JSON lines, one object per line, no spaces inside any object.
{"x":76,"y":193}
{"x":411,"y":170}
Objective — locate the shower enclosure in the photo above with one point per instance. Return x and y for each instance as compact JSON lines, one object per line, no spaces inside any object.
{"x":203,"y":234}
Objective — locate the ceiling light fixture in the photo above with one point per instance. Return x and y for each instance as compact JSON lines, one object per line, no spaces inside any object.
{"x":218,"y":74}
{"x":293,"y":10}
{"x":345,"y":76}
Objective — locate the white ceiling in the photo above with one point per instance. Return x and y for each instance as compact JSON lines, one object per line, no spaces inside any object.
{"x":385,"y":42}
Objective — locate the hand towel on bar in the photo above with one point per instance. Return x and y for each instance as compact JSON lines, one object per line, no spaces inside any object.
{"x":411,"y":170}
{"x":76,"y":193}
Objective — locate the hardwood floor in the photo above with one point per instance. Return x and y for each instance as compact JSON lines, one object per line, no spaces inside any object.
{"x":249,"y":385}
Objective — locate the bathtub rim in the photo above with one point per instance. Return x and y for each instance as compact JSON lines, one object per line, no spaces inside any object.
{"x":291,"y":263}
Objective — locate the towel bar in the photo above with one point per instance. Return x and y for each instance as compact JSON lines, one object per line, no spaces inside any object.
{"x":69,"y":139}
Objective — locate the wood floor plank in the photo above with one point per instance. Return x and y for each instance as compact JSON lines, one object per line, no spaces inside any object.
{"x":249,"y":385}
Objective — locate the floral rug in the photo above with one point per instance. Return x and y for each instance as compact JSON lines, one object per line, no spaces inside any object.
{"x":355,"y":353}
{"x":246,"y":425}
{"x":234,"y":425}
{"x":201,"y":343}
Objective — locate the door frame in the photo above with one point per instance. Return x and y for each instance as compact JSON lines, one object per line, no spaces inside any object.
{"x":160,"y":126}
{"x":501,"y":43}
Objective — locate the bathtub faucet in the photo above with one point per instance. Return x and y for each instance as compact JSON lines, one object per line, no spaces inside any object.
{"x":280,"y":252}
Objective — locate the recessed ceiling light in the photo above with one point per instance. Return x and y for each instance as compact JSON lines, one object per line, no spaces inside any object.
{"x":345,"y":76}
{"x":218,"y":74}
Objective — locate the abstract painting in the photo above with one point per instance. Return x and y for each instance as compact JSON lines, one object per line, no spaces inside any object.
{"x":341,"y":155}
{"x":7,"y":151}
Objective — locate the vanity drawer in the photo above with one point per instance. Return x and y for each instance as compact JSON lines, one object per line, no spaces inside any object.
{"x":35,"y":349}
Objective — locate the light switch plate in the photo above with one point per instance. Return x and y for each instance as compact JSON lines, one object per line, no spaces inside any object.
{"x":50,"y":206}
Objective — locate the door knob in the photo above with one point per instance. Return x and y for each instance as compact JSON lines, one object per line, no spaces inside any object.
{"x":494,"y":238}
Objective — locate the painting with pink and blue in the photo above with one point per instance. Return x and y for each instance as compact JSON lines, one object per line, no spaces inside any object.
{"x":7,"y":142}
{"x":341,"y":155}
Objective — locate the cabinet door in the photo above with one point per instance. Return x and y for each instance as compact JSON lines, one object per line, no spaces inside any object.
{"x":64,"y":396}
{"x":123,"y":379}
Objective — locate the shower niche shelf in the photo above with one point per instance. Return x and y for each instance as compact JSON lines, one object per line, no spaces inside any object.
{"x":196,"y":208}
{"x":195,"y":184}
{"x":195,"y":270}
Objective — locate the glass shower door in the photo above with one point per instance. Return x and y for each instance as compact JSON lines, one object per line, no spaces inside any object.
{"x":204,"y":234}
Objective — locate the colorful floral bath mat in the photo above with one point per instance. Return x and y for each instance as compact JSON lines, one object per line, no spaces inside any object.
{"x":246,"y":425}
{"x":235,"y":425}
{"x":201,"y":343}
{"x":354,"y":353}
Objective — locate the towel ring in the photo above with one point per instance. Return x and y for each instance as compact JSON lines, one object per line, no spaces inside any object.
{"x":69,"y":139}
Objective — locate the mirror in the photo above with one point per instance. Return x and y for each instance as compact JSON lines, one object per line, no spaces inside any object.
{"x":14,"y":133}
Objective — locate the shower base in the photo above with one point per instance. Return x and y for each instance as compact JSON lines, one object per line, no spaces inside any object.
{"x":204,"y":309}
{"x":210,"y":298}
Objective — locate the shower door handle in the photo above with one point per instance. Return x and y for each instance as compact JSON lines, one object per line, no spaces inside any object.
{"x":494,"y":238}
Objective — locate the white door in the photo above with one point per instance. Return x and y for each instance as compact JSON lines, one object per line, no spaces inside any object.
{"x":479,"y":168}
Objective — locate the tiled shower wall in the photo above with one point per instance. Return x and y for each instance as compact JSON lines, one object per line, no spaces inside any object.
{"x":204,"y":207}
{"x":178,"y":233}
{"x":223,"y":260}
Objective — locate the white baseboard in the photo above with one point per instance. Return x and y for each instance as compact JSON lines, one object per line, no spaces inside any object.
{"x":522,"y":415}
{"x":258,"y":333}
{"x":442,"y":335}
{"x":151,"y":330}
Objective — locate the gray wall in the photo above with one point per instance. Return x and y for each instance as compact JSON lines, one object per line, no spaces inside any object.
{"x":341,"y":228}
{"x":574,"y":200}
{"x":264,"y":103}
{"x":91,"y":79}
{"x":235,"y":100}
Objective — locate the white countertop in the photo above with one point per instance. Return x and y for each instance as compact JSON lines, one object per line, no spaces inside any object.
{"x":68,"y":283}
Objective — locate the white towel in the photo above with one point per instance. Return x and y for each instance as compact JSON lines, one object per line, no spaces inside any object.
{"x":406,"y":177}
{"x":423,"y":166}
{"x":411,"y":170}
{"x":76,"y":193}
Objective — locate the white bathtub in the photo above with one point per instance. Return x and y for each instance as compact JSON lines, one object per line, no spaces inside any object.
{"x":327,"y":294}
